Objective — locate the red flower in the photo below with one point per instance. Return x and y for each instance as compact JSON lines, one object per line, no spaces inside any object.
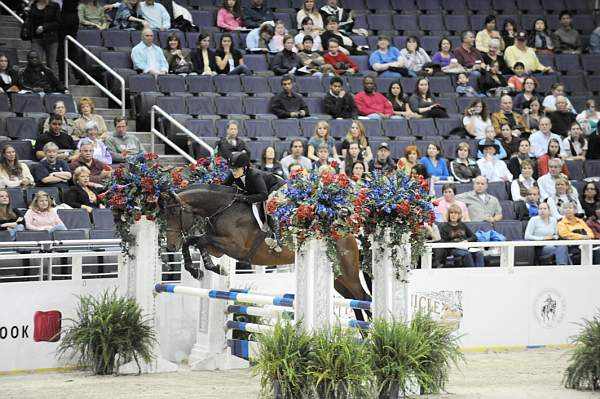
{"x":400,"y":164}
{"x":102,"y":196}
{"x":204,"y":162}
{"x":304,"y":212}
{"x":151,"y":156}
{"x":333,"y":163}
{"x":355,"y":178}
{"x":150,"y":217}
{"x":107,"y":168}
{"x":435,"y":202}
{"x":403,"y":208}
{"x":343,"y":180}
{"x":193,"y":166}
{"x":334,"y":233}
{"x":271,"y":206}
{"x":155,"y":166}
{"x":147,"y":184}
{"x":152,"y":198}
{"x":120,"y":172}
{"x":327,"y":178}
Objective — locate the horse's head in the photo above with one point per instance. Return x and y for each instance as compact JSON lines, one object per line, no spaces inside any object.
{"x":180,"y":219}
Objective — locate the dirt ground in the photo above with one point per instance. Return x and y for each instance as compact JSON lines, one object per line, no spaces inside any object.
{"x":532,"y":373}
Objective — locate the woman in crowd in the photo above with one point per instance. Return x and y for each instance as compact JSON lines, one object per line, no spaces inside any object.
{"x":130,"y":16}
{"x":448,"y":199}
{"x":477,"y":119}
{"x":67,"y":124}
{"x":310,"y":10}
{"x":489,"y":32}
{"x":82,"y":194}
{"x":86,"y":109}
{"x":100,"y":151}
{"x":203,"y":58}
{"x":523,"y":154}
{"x":178,"y":58}
{"x":540,"y":38}
{"x":12,"y":172}
{"x":410,"y":159}
{"x":509,"y":142}
{"x":9,"y":217}
{"x":357,"y":134}
{"x":399,"y":101}
{"x":41,"y":215}
{"x":495,"y":54}
{"x":229,"y":16}
{"x":532,"y":115}
{"x":564,"y":193}
{"x":9,"y":77}
{"x":492,"y":81}
{"x":543,"y":227}
{"x":436,"y":166}
{"x":359,"y":173}
{"x":414,"y":58}
{"x":589,"y":117}
{"x":308,"y":29}
{"x":552,"y":152}
{"x":549,"y":103}
{"x":463,"y":168}
{"x":444,"y":54}
{"x":423,"y":102}
{"x":575,"y":146}
{"x":509,"y":32}
{"x":520,"y":185}
{"x":353,"y":155}
{"x":573,"y":228}
{"x":524,"y":98}
{"x":231,"y":142}
{"x":385,"y":59}
{"x":589,"y":198}
{"x":92,"y":15}
{"x":230,"y":60}
{"x":269,"y":162}
{"x":321,"y":136}
{"x":455,"y":231}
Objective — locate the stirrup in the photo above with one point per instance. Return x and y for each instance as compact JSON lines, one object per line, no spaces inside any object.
{"x":273,"y":244}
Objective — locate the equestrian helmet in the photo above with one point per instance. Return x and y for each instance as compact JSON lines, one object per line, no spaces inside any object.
{"x":240,"y":160}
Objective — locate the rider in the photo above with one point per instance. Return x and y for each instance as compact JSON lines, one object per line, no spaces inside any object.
{"x":257,"y":186}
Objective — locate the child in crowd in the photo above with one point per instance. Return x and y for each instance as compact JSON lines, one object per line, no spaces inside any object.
{"x":516,"y":81}
{"x":463,"y":88}
{"x":276,"y":44}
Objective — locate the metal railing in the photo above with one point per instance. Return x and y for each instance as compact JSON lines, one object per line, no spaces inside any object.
{"x":11,"y":12}
{"x":68,"y":61}
{"x":167,"y":141}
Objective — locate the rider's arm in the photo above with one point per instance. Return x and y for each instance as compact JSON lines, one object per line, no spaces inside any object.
{"x":259,"y":187}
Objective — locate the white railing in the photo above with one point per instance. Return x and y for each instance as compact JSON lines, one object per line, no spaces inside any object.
{"x":68,"y":61}
{"x":166,"y":140}
{"x":11,"y":12}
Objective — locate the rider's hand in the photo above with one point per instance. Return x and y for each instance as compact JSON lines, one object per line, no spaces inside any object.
{"x":239,"y":198}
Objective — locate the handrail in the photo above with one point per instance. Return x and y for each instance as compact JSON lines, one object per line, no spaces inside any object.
{"x":120,"y":102}
{"x":49,"y":244}
{"x":11,"y":12}
{"x":154,"y":131}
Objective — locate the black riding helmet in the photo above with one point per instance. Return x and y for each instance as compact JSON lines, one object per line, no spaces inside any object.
{"x":239,"y":160}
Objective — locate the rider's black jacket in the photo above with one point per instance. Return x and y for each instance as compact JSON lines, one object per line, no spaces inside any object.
{"x":257,"y":186}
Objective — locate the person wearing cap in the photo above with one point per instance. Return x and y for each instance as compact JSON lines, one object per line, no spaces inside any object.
{"x":490,"y":134}
{"x":383,"y":163}
{"x":493,"y":169}
{"x":521,"y":52}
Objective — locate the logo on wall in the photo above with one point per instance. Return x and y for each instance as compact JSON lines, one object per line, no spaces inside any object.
{"x":46,"y":326}
{"x":549,"y":308}
{"x":444,"y":306}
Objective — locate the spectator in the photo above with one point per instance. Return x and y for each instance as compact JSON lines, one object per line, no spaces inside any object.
{"x":58,"y":137}
{"x":231,"y":143}
{"x":491,"y":168}
{"x":259,"y":39}
{"x":41,"y":216}
{"x":523,"y":154}
{"x":543,"y":227}
{"x":567,"y":38}
{"x":519,"y":52}
{"x":529,"y":207}
{"x":456,"y":231}
{"x":82,"y":194}
{"x":323,"y":161}
{"x":482,"y":206}
{"x":357,"y":134}
{"x":100,"y":151}
{"x":436,"y":166}
{"x":464,"y":88}
{"x":322,"y":136}
{"x":44,"y":22}
{"x":490,"y":134}
{"x":533,"y":115}
{"x":156,"y":15}
{"x":69,"y":25}
{"x":296,"y":157}
{"x":383,"y":162}
{"x":595,"y":41}
{"x":352,"y":156}
{"x":546,"y":183}
{"x":288,"y":104}
{"x":332,"y":32}
{"x":371,"y":104}
{"x":269,"y":162}
{"x":414,"y":58}
{"x":575,"y":146}
{"x":276,"y":44}
{"x":130,"y":16}
{"x":552,"y":152}
{"x":494,"y":54}
{"x":86,"y":110}
{"x":312,"y":61}
{"x":337,"y":102}
{"x":10,"y":219}
{"x":310,"y":10}
{"x":483,"y":38}
{"x":256,"y":14}
{"x":589,"y":199}
{"x":38,"y":78}
{"x":571,"y":227}
{"x":308,"y":30}
{"x":12,"y":172}
{"x":9,"y":78}
{"x":540,"y":139}
{"x":593,"y":221}
{"x":92,"y":16}
{"x":203,"y":58}
{"x":385,"y":60}
{"x":178,"y":59}
{"x":67,"y":124}
{"x":98,"y":169}
{"x":341,"y":63}
{"x":423,"y":103}
{"x":589,"y":117}
{"x":528,"y":94}
{"x":516,"y":81}
{"x":562,"y":119}
{"x":509,"y":32}
{"x":400,"y":101}
{"x":445,"y":58}
{"x":51,"y":171}
{"x":230,"y":60}
{"x":564,"y":193}
{"x":122,"y":145}
{"x":410,"y":159}
{"x":520,"y":186}
{"x":344,"y":17}
{"x":507,"y":115}
{"x":476,"y":119}
{"x":463,"y":168}
{"x":449,"y":199}
{"x":286,"y":62}
{"x":147,"y":57}
{"x":491,"y":81}
{"x":467,"y":55}
{"x":556,"y":90}
{"x":540,"y":39}
{"x":359,"y":173}
{"x":509,"y":143}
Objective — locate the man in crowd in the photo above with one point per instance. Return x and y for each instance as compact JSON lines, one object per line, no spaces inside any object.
{"x":539,"y":140}
{"x":156,"y":15}
{"x":288,"y":104}
{"x":256,"y":14}
{"x":98,"y":169}
{"x":344,"y":17}
{"x":520,"y":52}
{"x":547,"y":183}
{"x":39,"y":78}
{"x":383,"y":163}
{"x":52,"y":171}
{"x":147,"y":57}
{"x":482,"y":206}
{"x":467,"y":55}
{"x":567,"y":38}
{"x":372,"y":104}
{"x":338,"y":103}
{"x":64,"y":142}
{"x":121,"y":144}
{"x":296,"y":157}
{"x":507,"y":115}
{"x":562,"y":118}
{"x":332,"y":31}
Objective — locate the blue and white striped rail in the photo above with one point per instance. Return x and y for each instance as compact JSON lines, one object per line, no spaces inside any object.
{"x":247,"y":291}
{"x":249,"y":327}
{"x":340,"y":302}
{"x":224,"y":295}
{"x":261,"y":312}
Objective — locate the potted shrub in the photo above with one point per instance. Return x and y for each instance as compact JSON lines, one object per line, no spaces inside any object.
{"x":108,"y":332}
{"x":583,"y":371}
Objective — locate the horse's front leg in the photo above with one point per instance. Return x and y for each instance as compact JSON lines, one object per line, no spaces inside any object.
{"x":196,"y":272}
{"x":202,"y":242}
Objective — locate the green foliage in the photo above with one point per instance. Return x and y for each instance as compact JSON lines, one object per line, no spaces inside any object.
{"x":108,"y":332}
{"x":583,"y":371}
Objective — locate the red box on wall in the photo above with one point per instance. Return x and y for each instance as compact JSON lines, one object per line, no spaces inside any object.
{"x":46,"y":326}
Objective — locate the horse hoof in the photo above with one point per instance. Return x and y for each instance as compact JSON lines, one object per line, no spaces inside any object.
{"x":214,"y":269}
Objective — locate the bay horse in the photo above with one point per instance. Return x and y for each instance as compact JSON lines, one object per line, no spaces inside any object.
{"x":232,"y":230}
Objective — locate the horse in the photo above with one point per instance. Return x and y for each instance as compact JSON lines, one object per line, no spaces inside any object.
{"x":232,"y":230}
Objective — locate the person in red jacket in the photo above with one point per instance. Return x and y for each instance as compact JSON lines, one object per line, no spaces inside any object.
{"x":342,"y":64}
{"x":371,"y":104}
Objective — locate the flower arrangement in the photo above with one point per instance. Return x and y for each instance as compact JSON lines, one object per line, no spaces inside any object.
{"x":208,"y":171}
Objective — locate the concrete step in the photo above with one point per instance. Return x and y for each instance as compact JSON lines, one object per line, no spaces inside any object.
{"x":110,"y":113}
{"x":85,"y":91}
{"x":8,"y":31}
{"x":15,"y":43}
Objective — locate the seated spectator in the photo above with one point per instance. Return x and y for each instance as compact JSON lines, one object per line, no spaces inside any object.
{"x":62,"y":140}
{"x":521,"y":185}
{"x":464,"y":88}
{"x":352,"y":156}
{"x":359,"y":173}
{"x":575,"y":146}
{"x":516,"y":81}
{"x":371,"y":104}
{"x":507,"y":115}
{"x":483,"y":37}
{"x":178,"y":59}
{"x":296,"y":157}
{"x":509,"y":32}
{"x":414,"y":58}
{"x":490,"y":134}
{"x":491,"y":168}
{"x":562,"y":119}
{"x":203,"y":58}
{"x":269,"y":162}
{"x":589,"y":117}
{"x":276,"y":44}
{"x":100,"y":151}
{"x":563,"y":193}
{"x":256,"y":14}
{"x":494,"y":54}
{"x":156,"y":15}
{"x":230,"y":60}
{"x":540,"y":139}
{"x":383,"y":163}
{"x":341,"y":63}
{"x":523,"y":154}
{"x":98,"y":170}
{"x":529,"y":207}
{"x":594,"y":145}
{"x":231,"y":143}
{"x":556,"y":90}
{"x":423,"y":103}
{"x":445,"y":58}
{"x":310,"y":10}
{"x":482,"y":206}
{"x":323,"y":160}
{"x":509,"y":143}
{"x":449,"y":199}
{"x":308,"y":30}
{"x":9,"y":77}
{"x":410,"y":159}
{"x":552,"y":152}
{"x":322,"y":136}
{"x":129,"y":16}
{"x":288,"y":104}
{"x":400,"y":101}
{"x":595,"y":41}
{"x":44,"y":24}
{"x":12,"y":172}
{"x":344,"y":17}
{"x":520,"y":52}
{"x":546,"y":183}
{"x":491,"y":81}
{"x":346,"y":45}
{"x":593,"y":221}
{"x":51,"y":171}
{"x":259,"y":39}
{"x":533,"y":115}
{"x":467,"y":55}
{"x":571,"y":227}
{"x":91,"y":15}
{"x":122,"y":145}
{"x":67,"y":124}
{"x":454,"y":230}
{"x":589,"y":198}
{"x":337,"y":102}
{"x":543,"y":227}
{"x":567,"y":38}
{"x":385,"y":60}
{"x":42,"y":216}
{"x":86,"y":110}
{"x":10,"y":218}
{"x":147,"y":57}
{"x":38,"y":78}
{"x":82,"y":194}
{"x":528,"y":94}
{"x":357,"y":134}
{"x":477,"y":119}
{"x":539,"y":38}
{"x":463,"y":168}
{"x":286,"y":62}
{"x":312,"y":61}
{"x":436,"y":166}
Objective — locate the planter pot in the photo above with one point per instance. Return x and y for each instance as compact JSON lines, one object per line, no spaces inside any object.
{"x":277,"y":394}
{"x":392,"y":391}
{"x":340,"y":391}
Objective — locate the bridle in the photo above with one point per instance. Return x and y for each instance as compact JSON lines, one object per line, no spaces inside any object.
{"x":208,"y":219}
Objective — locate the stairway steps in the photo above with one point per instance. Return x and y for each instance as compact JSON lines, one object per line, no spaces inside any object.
{"x":86,"y":91}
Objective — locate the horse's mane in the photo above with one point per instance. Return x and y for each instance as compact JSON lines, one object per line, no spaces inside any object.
{"x":217,"y":188}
